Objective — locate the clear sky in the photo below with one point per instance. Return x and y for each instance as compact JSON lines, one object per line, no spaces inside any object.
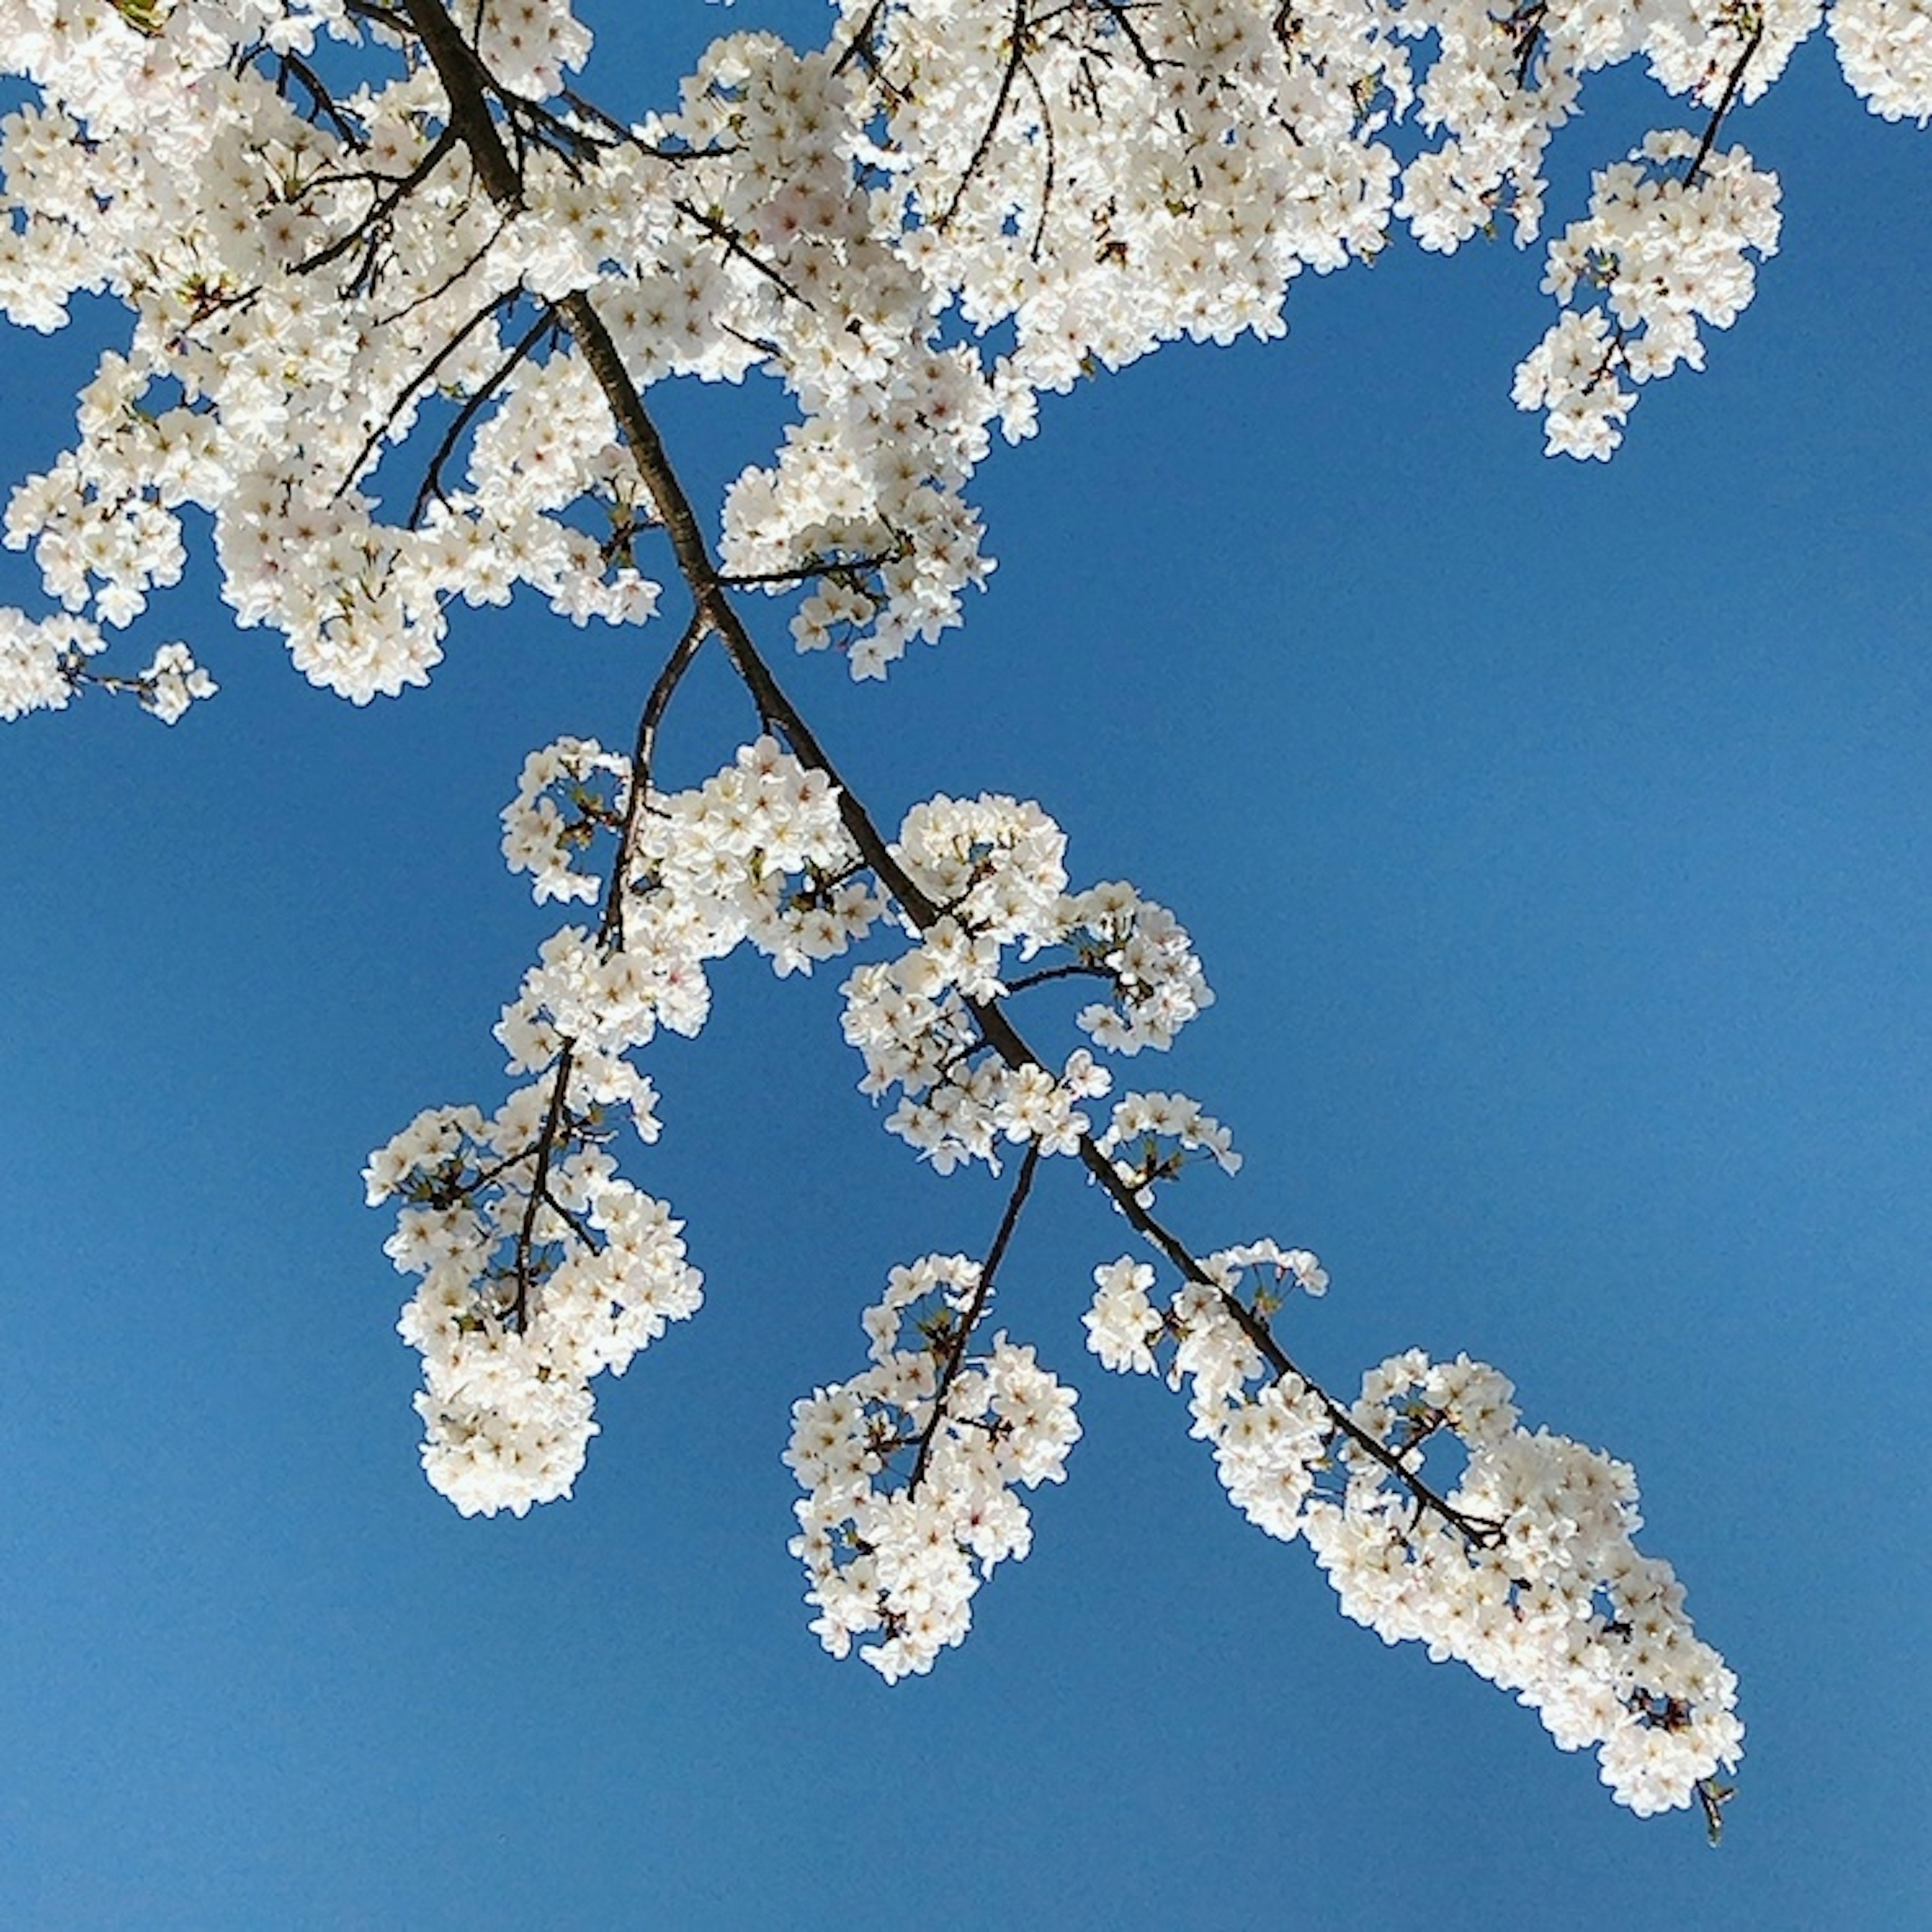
{"x":1556,"y":838}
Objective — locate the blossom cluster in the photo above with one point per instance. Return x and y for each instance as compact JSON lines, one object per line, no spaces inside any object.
{"x":1885,"y":47}
{"x":1150,"y":1136}
{"x":911,"y":1469}
{"x":1552,"y":1601}
{"x":541,"y":1266}
{"x":1267,"y":1442}
{"x":1664,"y":252}
{"x":917,"y":229}
{"x":539,"y":1272}
{"x":1522,"y":1567}
{"x":44,"y":663}
{"x":991,"y":871}
{"x":757,"y":852}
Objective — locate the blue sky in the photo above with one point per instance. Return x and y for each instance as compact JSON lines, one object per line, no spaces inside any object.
{"x":1556,"y":839}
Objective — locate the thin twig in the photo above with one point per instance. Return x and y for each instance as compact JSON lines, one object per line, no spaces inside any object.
{"x":1015,"y":55}
{"x":423,"y":376}
{"x":1717,"y":120}
{"x":956,"y":1355}
{"x":610,"y":928}
{"x":473,"y":405}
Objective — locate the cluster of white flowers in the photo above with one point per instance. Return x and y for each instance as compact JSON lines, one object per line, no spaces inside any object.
{"x":298,"y":296}
{"x":991,"y":870}
{"x":41,"y":663}
{"x":1160,"y":1130}
{"x":529,"y":45}
{"x":569,"y":792}
{"x":918,"y":229}
{"x":911,"y":1469}
{"x":1664,"y":254}
{"x":541,"y":1266}
{"x":1267,"y":1441}
{"x":1553,"y":1602}
{"x":172,"y":682}
{"x":994,"y":868}
{"x":959,"y":1100}
{"x":1158,"y":985}
{"x":1885,"y":47}
{"x":1522,"y":1567}
{"x":757,"y":852}
{"x":540,"y":1271}
{"x":44,"y":663}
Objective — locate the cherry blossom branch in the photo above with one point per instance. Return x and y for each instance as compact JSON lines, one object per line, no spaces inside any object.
{"x":450,"y":280}
{"x":293,"y":67}
{"x":381,"y":205}
{"x":956,"y":1353}
{"x":1015,"y":58}
{"x":459,"y":68}
{"x":1525,"y":27}
{"x":838,"y":569}
{"x":610,"y":936}
{"x":733,"y":243}
{"x":1717,"y":120}
{"x":387,"y":18}
{"x":859,"y":47}
{"x":1052,"y":159}
{"x":1073,"y":969}
{"x":473,"y":405}
{"x":494,"y":307}
{"x":622,"y":136}
{"x":610,"y":928}
{"x":1121,"y":13}
{"x":544,"y":1151}
{"x":1014,"y":1050}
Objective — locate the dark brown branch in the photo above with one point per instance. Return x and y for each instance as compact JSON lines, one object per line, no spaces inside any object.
{"x":1073,"y":969}
{"x":859,"y":47}
{"x":1717,"y":120}
{"x":367,"y":231}
{"x":1052,"y":161}
{"x":387,"y":18}
{"x":293,"y":67}
{"x":1122,"y":16}
{"x":1015,"y":58}
{"x":546,"y":1150}
{"x":427,"y":370}
{"x":473,"y":406}
{"x":465,"y":81}
{"x":956,"y":1353}
{"x":610,"y":928}
{"x":729,"y":240}
{"x":610,"y":934}
{"x":450,"y":280}
{"x":800,"y":573}
{"x":622,"y":136}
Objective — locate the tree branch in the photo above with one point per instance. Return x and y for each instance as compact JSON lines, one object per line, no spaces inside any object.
{"x":1717,"y":120}
{"x":956,"y":1355}
{"x":610,"y":928}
